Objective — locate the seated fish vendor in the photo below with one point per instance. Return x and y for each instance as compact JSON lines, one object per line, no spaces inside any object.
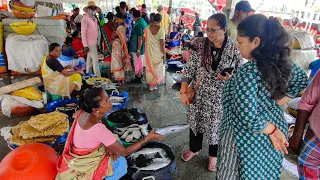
{"x":59,"y":80}
{"x":174,"y":38}
{"x":186,"y":38}
{"x":90,"y":141}
{"x":70,"y":57}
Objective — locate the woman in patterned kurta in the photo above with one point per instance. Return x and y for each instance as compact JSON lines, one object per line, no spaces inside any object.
{"x":252,"y":132}
{"x":205,"y":113}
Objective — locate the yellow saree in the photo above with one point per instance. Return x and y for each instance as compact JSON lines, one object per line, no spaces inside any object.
{"x":154,"y":61}
{"x":56,"y":83}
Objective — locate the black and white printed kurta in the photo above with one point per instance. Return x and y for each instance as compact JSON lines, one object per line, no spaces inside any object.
{"x":205,"y":114}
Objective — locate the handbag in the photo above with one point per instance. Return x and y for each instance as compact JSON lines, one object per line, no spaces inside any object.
{"x":192,"y":92}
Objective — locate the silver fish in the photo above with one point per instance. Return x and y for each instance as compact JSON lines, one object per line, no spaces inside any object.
{"x":124,"y":135}
{"x":115,"y":104}
{"x":129,"y":138}
{"x":148,"y":151}
{"x":155,"y":166}
{"x":156,"y":160}
{"x":171,"y":129}
{"x":136,"y":134}
{"x":116,"y":98}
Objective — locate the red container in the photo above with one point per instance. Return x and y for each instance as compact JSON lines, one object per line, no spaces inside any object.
{"x":30,"y":162}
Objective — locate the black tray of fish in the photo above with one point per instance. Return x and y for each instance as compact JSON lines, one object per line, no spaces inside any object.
{"x":128,"y":116}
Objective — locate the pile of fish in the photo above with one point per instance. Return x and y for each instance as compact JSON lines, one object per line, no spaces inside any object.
{"x":117,"y":100}
{"x":149,"y":159}
{"x":105,"y":85}
{"x":132,"y":133}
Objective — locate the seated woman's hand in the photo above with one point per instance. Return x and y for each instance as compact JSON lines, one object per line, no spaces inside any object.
{"x":69,"y":67}
{"x":112,"y":155}
{"x":279,"y":141}
{"x":80,"y":72}
{"x":153,"y":136}
{"x":225,"y":78}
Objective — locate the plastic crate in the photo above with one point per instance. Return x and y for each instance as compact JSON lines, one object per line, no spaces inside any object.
{"x":123,"y":105}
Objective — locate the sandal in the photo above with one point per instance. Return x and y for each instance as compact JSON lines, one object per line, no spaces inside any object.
{"x":212,"y":164}
{"x":188,"y":155}
{"x":153,"y":88}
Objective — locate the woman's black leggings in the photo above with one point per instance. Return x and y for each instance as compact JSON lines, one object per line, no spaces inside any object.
{"x":195,"y":143}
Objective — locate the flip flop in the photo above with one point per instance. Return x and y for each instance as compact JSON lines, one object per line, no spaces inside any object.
{"x":189,"y":156}
{"x":212,"y":164}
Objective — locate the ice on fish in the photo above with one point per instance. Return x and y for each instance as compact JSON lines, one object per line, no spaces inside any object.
{"x":171,"y":129}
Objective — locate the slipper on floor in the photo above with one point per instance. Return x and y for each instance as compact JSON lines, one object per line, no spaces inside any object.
{"x":190,"y":156}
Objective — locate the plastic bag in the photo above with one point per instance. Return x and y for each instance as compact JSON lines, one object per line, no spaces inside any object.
{"x":28,"y":93}
{"x":7,"y":104}
{"x":43,"y":11}
{"x":18,"y":105}
{"x":138,"y":65}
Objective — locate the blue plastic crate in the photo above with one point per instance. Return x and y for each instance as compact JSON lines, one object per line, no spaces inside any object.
{"x":123,"y":105}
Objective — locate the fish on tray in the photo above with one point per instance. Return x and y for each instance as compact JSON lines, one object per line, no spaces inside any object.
{"x":155,"y":156}
{"x":116,"y":100}
{"x":155,"y":166}
{"x":132,"y":133}
{"x":171,"y":129}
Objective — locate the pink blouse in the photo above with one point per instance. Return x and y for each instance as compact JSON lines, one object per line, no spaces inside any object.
{"x":93,"y":137}
{"x":310,"y":102}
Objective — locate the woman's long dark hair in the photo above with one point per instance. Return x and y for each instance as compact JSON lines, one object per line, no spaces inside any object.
{"x":272,"y":55}
{"x":91,"y":99}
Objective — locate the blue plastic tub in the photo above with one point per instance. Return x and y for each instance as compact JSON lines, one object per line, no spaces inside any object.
{"x":52,"y":106}
{"x":123,"y":105}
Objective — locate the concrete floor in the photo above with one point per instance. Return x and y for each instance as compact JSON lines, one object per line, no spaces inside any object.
{"x":162,"y":108}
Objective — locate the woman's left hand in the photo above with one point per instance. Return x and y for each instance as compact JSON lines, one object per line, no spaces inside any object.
{"x":225,"y":78}
{"x":279,"y":141}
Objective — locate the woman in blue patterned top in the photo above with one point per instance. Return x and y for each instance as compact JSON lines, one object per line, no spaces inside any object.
{"x":253,"y":132}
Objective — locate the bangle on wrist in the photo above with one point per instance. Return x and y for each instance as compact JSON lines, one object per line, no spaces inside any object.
{"x":183,"y":92}
{"x":144,"y":141}
{"x":273,"y":131}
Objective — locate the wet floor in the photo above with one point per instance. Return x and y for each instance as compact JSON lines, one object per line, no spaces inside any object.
{"x":163,"y":108}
